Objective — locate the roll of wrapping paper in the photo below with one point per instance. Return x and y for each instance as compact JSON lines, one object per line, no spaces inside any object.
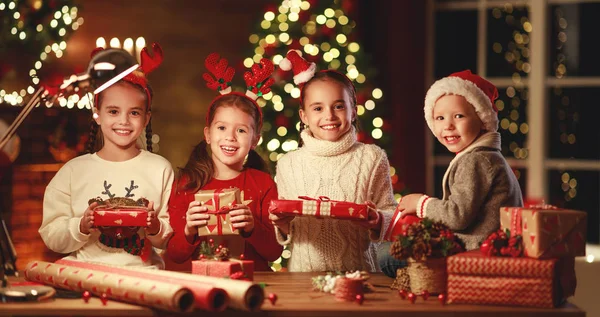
{"x":147,"y":292}
{"x":243,"y":295}
{"x":206,"y":296}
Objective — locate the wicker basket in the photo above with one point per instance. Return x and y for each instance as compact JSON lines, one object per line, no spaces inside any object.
{"x":429,"y":275}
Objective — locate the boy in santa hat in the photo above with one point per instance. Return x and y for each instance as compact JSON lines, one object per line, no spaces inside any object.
{"x":460,"y":111}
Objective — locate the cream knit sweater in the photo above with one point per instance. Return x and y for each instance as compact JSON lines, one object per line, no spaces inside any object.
{"x":344,"y":170}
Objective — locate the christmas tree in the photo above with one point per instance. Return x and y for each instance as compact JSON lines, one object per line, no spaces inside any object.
{"x":31,"y":33}
{"x":324,"y":33}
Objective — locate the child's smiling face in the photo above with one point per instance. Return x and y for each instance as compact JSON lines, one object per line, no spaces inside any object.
{"x":327,"y":110}
{"x":455,"y":123}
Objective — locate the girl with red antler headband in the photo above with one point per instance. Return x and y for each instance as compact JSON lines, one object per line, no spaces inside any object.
{"x":233,"y":124}
{"x":115,"y":167}
{"x":331,"y":162}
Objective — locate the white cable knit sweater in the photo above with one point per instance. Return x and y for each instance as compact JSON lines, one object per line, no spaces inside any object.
{"x":344,"y":170}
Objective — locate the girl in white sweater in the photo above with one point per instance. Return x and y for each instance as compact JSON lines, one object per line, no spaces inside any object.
{"x":331,"y":162}
{"x":115,"y":167}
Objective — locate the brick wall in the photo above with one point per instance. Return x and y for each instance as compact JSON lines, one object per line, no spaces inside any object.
{"x":25,"y":217}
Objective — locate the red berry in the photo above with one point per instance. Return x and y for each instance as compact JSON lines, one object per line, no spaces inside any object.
{"x":402,"y":293}
{"x":412,"y":297}
{"x":104,"y":298}
{"x":273,"y":298}
{"x":211,"y":241}
{"x":360,"y":298}
{"x":425,"y":294}
{"x":86,"y":296}
{"x":242,"y":256}
{"x":442,"y":298}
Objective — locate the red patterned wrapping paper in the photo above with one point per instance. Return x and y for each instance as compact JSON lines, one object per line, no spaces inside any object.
{"x":322,"y":207}
{"x":219,"y":202}
{"x":547,"y":231}
{"x":226,"y":269}
{"x":206,"y":297}
{"x":474,"y":278}
{"x":147,"y":292}
{"x":120,"y":217}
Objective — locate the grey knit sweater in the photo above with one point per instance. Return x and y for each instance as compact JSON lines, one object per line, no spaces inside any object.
{"x":476,"y":184}
{"x":344,"y":170}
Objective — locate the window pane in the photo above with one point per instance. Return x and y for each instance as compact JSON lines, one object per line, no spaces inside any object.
{"x":508,"y":42}
{"x":574,"y":40}
{"x":455,"y":42}
{"x":513,"y":127}
{"x":578,"y":190}
{"x":574,"y":131}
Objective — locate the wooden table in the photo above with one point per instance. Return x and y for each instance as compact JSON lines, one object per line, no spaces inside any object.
{"x":295,"y":299}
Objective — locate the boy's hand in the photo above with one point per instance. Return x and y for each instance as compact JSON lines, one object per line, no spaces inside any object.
{"x":242,"y":218}
{"x":152,"y":222}
{"x":86,"y":224}
{"x":408,"y":204}
{"x":373,"y":217}
{"x":195,"y":217}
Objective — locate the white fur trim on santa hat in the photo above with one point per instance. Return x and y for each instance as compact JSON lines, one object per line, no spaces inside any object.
{"x":473,"y":94}
{"x":306,"y":75}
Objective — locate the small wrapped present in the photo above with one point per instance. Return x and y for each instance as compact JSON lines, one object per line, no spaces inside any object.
{"x":120,"y":217}
{"x":230,"y":268}
{"x":320,"y":208}
{"x":219,"y":204}
{"x":474,"y":278}
{"x":547,"y":231}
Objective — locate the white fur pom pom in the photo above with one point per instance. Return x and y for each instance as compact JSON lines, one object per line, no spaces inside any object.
{"x":285,"y":64}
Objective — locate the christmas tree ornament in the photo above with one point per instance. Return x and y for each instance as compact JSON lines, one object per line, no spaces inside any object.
{"x":402,"y":293}
{"x":104,"y":299}
{"x":442,"y":299}
{"x":360,"y":299}
{"x":412,"y":297}
{"x":86,"y":296}
{"x":425,"y":294}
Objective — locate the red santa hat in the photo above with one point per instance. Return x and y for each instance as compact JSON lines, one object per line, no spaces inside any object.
{"x":303,"y":70}
{"x":479,"y":92}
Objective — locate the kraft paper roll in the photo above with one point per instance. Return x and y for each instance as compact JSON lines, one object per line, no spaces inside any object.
{"x":142,"y":291}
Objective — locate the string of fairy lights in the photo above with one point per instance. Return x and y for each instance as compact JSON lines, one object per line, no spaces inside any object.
{"x":63,"y":20}
{"x":281,"y":30}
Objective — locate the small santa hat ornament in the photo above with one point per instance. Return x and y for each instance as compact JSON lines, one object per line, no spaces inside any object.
{"x":479,"y":92}
{"x":302,"y":69}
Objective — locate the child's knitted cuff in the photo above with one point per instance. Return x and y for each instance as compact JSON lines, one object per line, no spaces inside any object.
{"x":422,"y":206}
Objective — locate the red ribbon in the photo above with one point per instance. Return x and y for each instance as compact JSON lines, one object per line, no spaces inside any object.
{"x":516,"y":222}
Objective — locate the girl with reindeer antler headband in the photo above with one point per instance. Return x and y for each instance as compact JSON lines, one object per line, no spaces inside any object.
{"x":226,"y":159}
{"x":117,"y":169}
{"x":332,"y":163}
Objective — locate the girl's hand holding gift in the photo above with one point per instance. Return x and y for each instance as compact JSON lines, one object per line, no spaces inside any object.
{"x":373,"y":217}
{"x":281,"y":221}
{"x":152,"y":222}
{"x":86,"y":224}
{"x":195,"y":218}
{"x":242,"y":218}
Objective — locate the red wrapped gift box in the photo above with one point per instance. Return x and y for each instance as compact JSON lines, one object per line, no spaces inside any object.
{"x":219,"y":204}
{"x":120,"y":217}
{"x":474,"y":278}
{"x":320,"y":208}
{"x":228,"y":268}
{"x":547,"y":231}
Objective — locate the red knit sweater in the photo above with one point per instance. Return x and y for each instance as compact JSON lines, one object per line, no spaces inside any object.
{"x":260,"y":246}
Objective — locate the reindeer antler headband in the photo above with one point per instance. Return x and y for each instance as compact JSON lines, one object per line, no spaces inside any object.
{"x":147,"y":65}
{"x":258,"y":79}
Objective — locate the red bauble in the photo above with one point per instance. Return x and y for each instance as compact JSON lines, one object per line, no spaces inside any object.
{"x":86,"y":296}
{"x":242,"y":256}
{"x":412,"y":297}
{"x":202,"y":256}
{"x":211,"y":242}
{"x":425,"y":294}
{"x":273,"y":298}
{"x":360,"y":298}
{"x":104,"y":298}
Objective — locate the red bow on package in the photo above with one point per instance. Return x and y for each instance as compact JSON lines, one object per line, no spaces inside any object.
{"x":321,"y":207}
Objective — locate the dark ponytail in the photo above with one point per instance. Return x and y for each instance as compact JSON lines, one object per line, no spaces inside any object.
{"x":199,"y":168}
{"x":149,"y":135}
{"x":91,"y":143}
